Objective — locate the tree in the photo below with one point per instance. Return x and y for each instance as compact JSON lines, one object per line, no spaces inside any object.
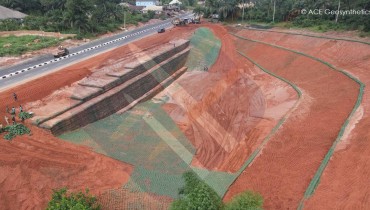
{"x":77,"y":13}
{"x":196,"y":195}
{"x":74,"y":201}
{"x":247,"y":200}
{"x":198,"y":10}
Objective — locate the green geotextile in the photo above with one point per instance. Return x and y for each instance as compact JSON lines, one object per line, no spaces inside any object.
{"x":316,"y":179}
{"x":147,"y":138}
{"x":205,"y":47}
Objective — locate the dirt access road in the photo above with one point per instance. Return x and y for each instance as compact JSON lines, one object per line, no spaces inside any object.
{"x":31,"y":166}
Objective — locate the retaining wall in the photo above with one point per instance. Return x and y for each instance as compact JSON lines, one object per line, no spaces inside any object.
{"x":143,"y":81}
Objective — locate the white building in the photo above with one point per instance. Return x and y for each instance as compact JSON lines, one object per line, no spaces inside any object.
{"x":6,"y":13}
{"x":156,"y":9}
{"x":146,"y":3}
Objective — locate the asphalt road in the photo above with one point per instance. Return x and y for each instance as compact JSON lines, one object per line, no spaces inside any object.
{"x":47,"y":63}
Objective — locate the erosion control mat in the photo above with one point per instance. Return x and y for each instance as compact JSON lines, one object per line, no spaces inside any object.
{"x":148,"y":139}
{"x":205,"y":49}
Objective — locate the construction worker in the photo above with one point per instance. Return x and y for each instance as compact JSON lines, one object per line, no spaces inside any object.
{"x":15,"y":97}
{"x":13,"y":111}
{"x":6,"y":120}
{"x":20,"y":108}
{"x":13,"y":119}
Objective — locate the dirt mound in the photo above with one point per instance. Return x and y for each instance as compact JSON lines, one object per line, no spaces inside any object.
{"x":31,"y":166}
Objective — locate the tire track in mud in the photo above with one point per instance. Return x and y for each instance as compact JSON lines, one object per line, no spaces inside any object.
{"x":297,"y":151}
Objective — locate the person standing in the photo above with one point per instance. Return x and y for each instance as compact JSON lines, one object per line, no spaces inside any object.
{"x":15,"y":97}
{"x":13,"y":111}
{"x":13,"y":119}
{"x":20,"y":108}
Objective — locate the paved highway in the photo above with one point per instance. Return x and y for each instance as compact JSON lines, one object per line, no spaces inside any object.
{"x":46,"y":64}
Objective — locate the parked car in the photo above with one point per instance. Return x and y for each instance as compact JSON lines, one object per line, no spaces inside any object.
{"x":161,"y":30}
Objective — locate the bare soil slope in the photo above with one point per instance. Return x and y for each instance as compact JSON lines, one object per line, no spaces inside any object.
{"x":286,"y":166}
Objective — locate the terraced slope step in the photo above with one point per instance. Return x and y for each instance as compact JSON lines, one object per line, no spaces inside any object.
{"x":138,"y":88}
{"x":102,"y":80}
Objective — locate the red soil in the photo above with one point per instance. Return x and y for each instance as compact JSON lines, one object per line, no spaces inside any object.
{"x":287,"y":164}
{"x":227,"y":112}
{"x":118,"y":199}
{"x":32,"y":166}
{"x":345,"y":182}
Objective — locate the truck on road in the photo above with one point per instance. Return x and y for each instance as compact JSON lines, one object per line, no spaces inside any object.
{"x":62,"y":51}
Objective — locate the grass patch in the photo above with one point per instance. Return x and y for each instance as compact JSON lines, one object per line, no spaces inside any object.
{"x":17,"y":45}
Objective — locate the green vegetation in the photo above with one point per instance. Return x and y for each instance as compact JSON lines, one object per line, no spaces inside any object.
{"x":85,"y":18}
{"x":16,"y":45}
{"x":15,"y":130}
{"x":61,"y":200}
{"x":25,"y":115}
{"x":244,"y":201}
{"x":289,"y":11}
{"x":198,"y":195}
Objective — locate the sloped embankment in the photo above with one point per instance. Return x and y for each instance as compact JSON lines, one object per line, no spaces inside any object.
{"x":328,"y":98}
{"x":343,"y":185}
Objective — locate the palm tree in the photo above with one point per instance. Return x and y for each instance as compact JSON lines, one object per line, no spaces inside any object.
{"x":228,"y":7}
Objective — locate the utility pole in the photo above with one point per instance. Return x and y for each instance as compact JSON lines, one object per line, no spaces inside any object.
{"x":124,"y":19}
{"x":336,"y":18}
{"x":273,"y":15}
{"x":243,"y":11}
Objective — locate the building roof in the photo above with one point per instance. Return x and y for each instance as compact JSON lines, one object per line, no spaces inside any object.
{"x":147,"y":1}
{"x":137,"y":8}
{"x":175,"y":2}
{"x":153,"y":8}
{"x":6,"y":13}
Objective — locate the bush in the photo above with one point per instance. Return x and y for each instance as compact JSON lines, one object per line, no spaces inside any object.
{"x":15,"y":130}
{"x":60,"y":200}
{"x":25,"y":115}
{"x":245,"y":201}
{"x":9,"y":25}
{"x":196,"y":195}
